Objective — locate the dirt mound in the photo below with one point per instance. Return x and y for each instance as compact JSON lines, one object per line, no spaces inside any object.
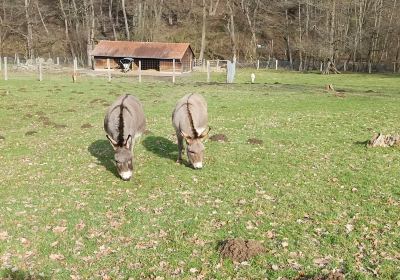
{"x":30,"y":132}
{"x":255,"y":141}
{"x":331,"y":276}
{"x":86,"y":125}
{"x":240,"y":250}
{"x":219,"y":138}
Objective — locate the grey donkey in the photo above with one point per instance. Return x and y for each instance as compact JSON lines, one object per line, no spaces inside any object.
{"x":124,"y":123}
{"x":190,"y":121}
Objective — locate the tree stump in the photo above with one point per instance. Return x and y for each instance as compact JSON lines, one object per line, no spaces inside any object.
{"x":380,"y":140}
{"x":330,"y":67}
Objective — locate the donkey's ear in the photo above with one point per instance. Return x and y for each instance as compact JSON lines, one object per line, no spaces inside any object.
{"x":128,"y":142}
{"x":112,"y":142}
{"x":205,"y":133}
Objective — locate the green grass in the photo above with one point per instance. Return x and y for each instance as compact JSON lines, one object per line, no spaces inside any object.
{"x":312,"y":176}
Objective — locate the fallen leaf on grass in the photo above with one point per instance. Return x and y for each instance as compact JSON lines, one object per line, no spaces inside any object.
{"x":3,"y":235}
{"x":349,"y":228}
{"x":321,"y":262}
{"x":57,"y":257}
{"x":59,"y":229}
{"x":81,"y":225}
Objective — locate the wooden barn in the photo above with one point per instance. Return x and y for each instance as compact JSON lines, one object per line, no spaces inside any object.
{"x":152,"y":55}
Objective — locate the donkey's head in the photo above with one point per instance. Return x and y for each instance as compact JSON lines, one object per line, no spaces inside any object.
{"x":195,"y":148}
{"x":123,"y":157}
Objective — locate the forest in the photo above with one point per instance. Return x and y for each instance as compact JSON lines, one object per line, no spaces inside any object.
{"x":299,"y":31}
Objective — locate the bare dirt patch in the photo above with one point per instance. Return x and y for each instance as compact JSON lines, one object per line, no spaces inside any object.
{"x":240,"y":250}
{"x":219,"y":138}
{"x":70,"y":111}
{"x":30,"y":132}
{"x":254,"y":141}
{"x":28,"y":116}
{"x":86,"y":125}
{"x":59,"y":126}
{"x":2,"y":137}
{"x":147,"y":132}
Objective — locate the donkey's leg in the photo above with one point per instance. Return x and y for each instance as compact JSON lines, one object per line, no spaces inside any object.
{"x":180,"y":147}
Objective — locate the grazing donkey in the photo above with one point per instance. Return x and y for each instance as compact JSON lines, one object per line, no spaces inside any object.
{"x":189,"y":119}
{"x":124,"y":123}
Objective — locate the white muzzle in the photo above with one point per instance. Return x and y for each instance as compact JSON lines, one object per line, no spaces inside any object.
{"x":126,"y":175}
{"x":198,"y":165}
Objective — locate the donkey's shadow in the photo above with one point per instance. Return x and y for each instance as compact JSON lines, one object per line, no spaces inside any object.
{"x":102,"y":150}
{"x":161,"y":146}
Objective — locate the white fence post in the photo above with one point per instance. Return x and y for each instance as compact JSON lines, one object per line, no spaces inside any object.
{"x":217,"y":64}
{"x":40,"y":70}
{"x":75,"y":68}
{"x":1,"y":62}
{"x":258,"y":64}
{"x":58,"y":61}
{"x":321,"y":66}
{"x":5,"y":69}
{"x":173,"y":70}
{"x":109,"y":69}
{"x":276,"y":64}
{"x":208,"y":71}
{"x":369,"y":67}
{"x":140,"y":71}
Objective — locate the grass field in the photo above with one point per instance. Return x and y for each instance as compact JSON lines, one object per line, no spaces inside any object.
{"x":312,"y":192}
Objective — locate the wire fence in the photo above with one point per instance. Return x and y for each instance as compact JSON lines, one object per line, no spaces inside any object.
{"x":115,"y":67}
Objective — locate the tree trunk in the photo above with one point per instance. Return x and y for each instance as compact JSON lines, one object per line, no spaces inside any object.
{"x":110,"y":6}
{"x":203,"y":32}
{"x":29,"y":37}
{"x":231,"y":29}
{"x":125,"y":20}
{"x":66,"y":29}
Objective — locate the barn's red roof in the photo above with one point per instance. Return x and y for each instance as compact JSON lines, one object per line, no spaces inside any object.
{"x":154,"y":50}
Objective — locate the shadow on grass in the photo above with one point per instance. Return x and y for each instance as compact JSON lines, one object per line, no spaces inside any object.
{"x":102,"y":150}
{"x":20,"y":275}
{"x":361,"y":143}
{"x":161,"y":147}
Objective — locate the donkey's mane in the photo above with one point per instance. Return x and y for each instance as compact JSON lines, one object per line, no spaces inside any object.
{"x":121,"y":122}
{"x":194,"y":131}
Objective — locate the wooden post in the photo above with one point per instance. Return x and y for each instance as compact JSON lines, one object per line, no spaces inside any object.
{"x":190,"y":64}
{"x":217,"y":64}
{"x":204,"y":65}
{"x":109,"y":69}
{"x":394,"y":67}
{"x":18,"y":60}
{"x":1,"y":62}
{"x":5,"y":69}
{"x":345,"y":66}
{"x":276,"y":64}
{"x":40,"y":70}
{"x":369,"y":67}
{"x":15,"y":58}
{"x":140,"y":71}
{"x":321,"y":66}
{"x":173,"y":70}
{"x":74,"y":71}
{"x":258,"y":64}
{"x":58,"y":61}
{"x":208,"y":71}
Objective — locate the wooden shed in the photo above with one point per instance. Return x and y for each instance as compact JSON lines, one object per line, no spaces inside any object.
{"x":152,"y":55}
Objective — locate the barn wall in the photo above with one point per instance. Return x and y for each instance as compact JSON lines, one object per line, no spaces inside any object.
{"x":187,"y":61}
{"x":166,"y":65}
{"x":100,"y":63}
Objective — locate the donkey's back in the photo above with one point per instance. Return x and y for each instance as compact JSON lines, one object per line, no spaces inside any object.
{"x":125,"y":117}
